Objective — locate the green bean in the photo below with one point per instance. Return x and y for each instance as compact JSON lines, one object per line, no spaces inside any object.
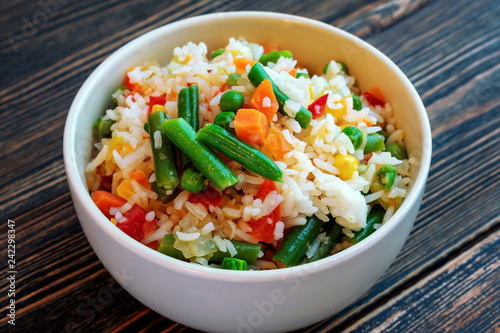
{"x":217,"y":52}
{"x":295,"y":244}
{"x":102,"y":127}
{"x":167,"y":247}
{"x":188,"y":108}
{"x":355,"y":135}
{"x":240,"y":151}
{"x":376,"y":215}
{"x":232,"y":79}
{"x":231,"y":101}
{"x":146,"y":127}
{"x":384,"y":134}
{"x":343,"y":68}
{"x":193,"y":181}
{"x":396,"y":151}
{"x":274,"y":56}
{"x":258,"y":74}
{"x":386,"y":175}
{"x":234,"y":264}
{"x":356,"y":103}
{"x":166,"y":173}
{"x":244,"y":251}
{"x":223,"y":120}
{"x":305,"y":75}
{"x":374,"y":142}
{"x":204,"y":159}
{"x":122,"y":88}
{"x":162,"y":195}
{"x":334,"y":233}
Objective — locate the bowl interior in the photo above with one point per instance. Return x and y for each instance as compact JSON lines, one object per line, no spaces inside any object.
{"x":312,"y":43}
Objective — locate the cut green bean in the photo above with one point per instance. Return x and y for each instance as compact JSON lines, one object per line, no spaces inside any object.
{"x":274,"y":56}
{"x":162,"y":193}
{"x":295,"y":244}
{"x":239,"y":151}
{"x":374,"y":142}
{"x":204,"y":159}
{"x":188,"y":108}
{"x":396,"y":151}
{"x":217,"y":52}
{"x":375,"y":216}
{"x":343,"y":67}
{"x":384,"y":134}
{"x":223,"y":120}
{"x":258,"y":74}
{"x":244,"y":251}
{"x":355,"y":135}
{"x":102,"y":127}
{"x":386,"y":175}
{"x":232,"y":79}
{"x":234,"y":264}
{"x":167,"y":247}
{"x":166,"y":173}
{"x":334,"y":233}
{"x":193,"y":181}
{"x":304,"y":75}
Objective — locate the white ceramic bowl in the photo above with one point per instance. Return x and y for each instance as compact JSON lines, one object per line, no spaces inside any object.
{"x":251,"y":301}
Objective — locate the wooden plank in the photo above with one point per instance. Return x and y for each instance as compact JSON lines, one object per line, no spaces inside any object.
{"x":462,"y":296}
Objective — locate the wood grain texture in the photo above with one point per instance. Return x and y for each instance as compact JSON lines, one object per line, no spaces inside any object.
{"x":442,"y":280}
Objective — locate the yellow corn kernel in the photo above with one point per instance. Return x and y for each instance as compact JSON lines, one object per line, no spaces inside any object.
{"x":311,"y":93}
{"x":125,"y":189}
{"x":340,"y":112}
{"x":113,"y":220}
{"x":346,"y":164}
{"x":159,"y":107}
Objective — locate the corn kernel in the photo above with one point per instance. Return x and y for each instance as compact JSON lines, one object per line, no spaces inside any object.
{"x":346,"y":164}
{"x":113,"y":220}
{"x":125,"y":189}
{"x":159,"y":107}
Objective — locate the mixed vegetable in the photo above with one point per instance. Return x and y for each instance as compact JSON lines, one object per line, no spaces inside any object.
{"x":187,"y":157}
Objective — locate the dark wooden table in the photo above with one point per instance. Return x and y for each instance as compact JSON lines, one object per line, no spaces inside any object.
{"x":445,"y":279}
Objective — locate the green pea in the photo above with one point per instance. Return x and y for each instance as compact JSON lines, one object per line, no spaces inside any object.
{"x":217,"y":52}
{"x":355,"y":135}
{"x":396,"y":151}
{"x":231,"y":101}
{"x":384,"y":134}
{"x":232,"y":80}
{"x":356,"y":103}
{"x":374,"y":142}
{"x":223,"y":120}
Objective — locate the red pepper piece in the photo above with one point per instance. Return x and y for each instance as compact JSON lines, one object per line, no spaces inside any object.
{"x":374,"y":97}
{"x":132,"y":86}
{"x":210,"y":196}
{"x":263,"y":228}
{"x":156,"y":100}
{"x":136,"y":225}
{"x":317,"y":107}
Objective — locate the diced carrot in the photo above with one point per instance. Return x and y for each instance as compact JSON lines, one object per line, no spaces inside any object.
{"x":268,"y":106}
{"x":277,"y":144}
{"x":241,"y":63}
{"x":105,"y":200}
{"x":140,"y":177}
{"x":251,"y":125}
{"x":293,"y":72}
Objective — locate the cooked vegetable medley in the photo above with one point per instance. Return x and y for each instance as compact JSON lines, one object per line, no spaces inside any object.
{"x":242,"y":159}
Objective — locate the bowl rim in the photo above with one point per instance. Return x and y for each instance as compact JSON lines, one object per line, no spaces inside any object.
{"x":80,"y":191}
